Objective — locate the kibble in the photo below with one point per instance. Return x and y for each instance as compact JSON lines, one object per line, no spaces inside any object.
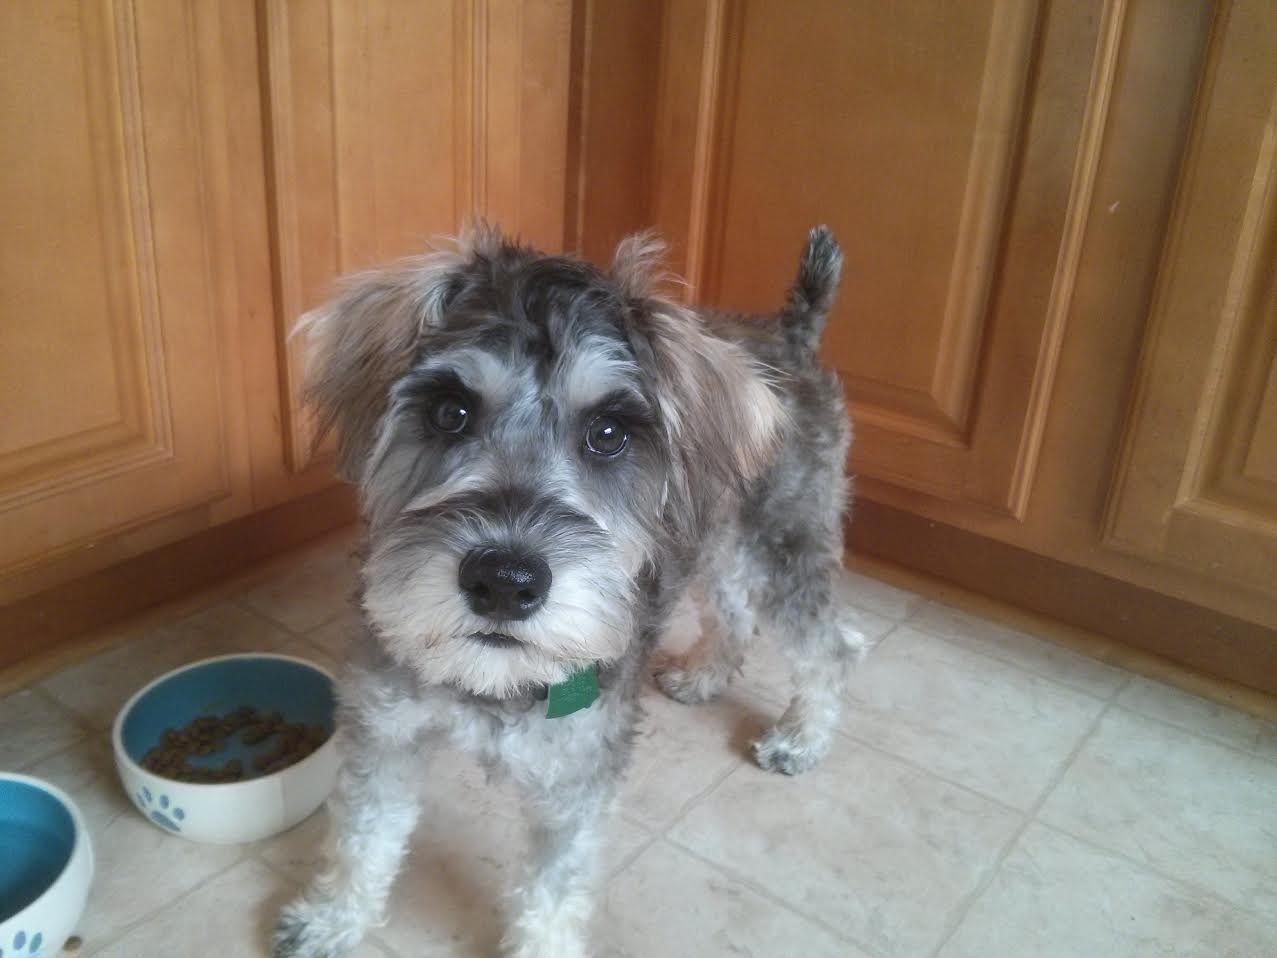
{"x":209,"y":734}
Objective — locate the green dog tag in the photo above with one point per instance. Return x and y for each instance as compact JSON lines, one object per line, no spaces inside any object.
{"x":578,"y":691}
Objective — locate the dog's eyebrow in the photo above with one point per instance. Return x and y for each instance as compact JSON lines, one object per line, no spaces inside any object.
{"x":596,"y":369}
{"x":626,"y":402}
{"x":434,"y":378}
{"x":477,"y":370}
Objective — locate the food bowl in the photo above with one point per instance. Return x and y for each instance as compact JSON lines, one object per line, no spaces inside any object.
{"x":228,"y":812}
{"x":46,"y":866}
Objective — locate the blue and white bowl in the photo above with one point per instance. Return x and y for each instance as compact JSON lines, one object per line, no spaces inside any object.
{"x":228,"y":812}
{"x":46,"y":867}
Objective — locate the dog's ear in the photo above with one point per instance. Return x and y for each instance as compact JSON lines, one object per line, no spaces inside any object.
{"x":638,"y":265}
{"x":365,"y":339}
{"x":721,"y":410}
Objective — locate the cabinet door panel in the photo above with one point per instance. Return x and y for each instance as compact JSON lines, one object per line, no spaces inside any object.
{"x":110,"y":288}
{"x":391,"y":123}
{"x":1197,"y":484}
{"x":953,"y":149}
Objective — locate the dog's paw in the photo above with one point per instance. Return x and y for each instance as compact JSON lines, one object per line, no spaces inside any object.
{"x":305,"y":930}
{"x":691,"y":686}
{"x":784,"y":751}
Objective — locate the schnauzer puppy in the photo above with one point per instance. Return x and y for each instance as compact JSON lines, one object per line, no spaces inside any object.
{"x":549,"y":458}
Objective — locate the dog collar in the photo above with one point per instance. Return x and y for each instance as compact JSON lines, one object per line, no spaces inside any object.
{"x":578,"y":691}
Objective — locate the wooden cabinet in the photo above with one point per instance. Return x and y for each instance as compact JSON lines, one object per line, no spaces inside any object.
{"x":122,"y":400}
{"x":183,"y":180}
{"x":1057,"y":326}
{"x":1197,"y":478}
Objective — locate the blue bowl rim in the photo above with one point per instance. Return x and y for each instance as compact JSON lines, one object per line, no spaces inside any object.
{"x":117,"y":727}
{"x":77,"y":823}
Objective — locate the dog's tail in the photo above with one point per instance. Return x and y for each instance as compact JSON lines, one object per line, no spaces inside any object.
{"x":802,"y":321}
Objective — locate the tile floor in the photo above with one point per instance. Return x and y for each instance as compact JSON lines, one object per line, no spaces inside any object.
{"x":992,"y":794}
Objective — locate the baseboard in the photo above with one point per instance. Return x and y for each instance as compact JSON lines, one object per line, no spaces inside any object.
{"x":1197,"y":638}
{"x":34,"y":627}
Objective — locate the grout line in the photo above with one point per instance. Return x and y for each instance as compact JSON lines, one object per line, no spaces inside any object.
{"x":749,"y":882}
{"x":1201,"y":737}
{"x":51,"y":756}
{"x":930,"y":773}
{"x":372,"y":939}
{"x":855,"y":606}
{"x":238,"y":601}
{"x":1023,"y":667}
{"x":1199,"y":734}
{"x":310,"y":643}
{"x":651,"y":839}
{"x":964,"y":906}
{"x":293,"y":635}
{"x":86,"y":730}
{"x":257,"y":856}
{"x":1191,"y":889}
{"x":155,"y":912}
{"x":686,"y":808}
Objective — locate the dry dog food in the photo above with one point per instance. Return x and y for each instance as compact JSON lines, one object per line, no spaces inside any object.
{"x":210,"y":734}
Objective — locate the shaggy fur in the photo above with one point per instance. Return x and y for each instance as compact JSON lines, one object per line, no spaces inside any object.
{"x":728,"y":485}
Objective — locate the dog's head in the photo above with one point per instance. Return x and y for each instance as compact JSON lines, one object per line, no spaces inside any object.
{"x":530,"y":436}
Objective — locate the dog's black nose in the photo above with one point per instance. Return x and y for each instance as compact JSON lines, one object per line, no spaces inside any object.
{"x":502,"y":585}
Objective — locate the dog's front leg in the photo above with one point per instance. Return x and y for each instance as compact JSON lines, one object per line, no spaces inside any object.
{"x":554,"y":902}
{"x":374,"y":811}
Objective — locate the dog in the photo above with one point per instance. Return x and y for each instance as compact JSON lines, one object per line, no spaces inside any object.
{"x":550,"y":457}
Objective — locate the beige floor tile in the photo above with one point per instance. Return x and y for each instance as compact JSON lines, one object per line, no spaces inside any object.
{"x":878,"y":850}
{"x":1219,"y":722}
{"x":97,"y":688}
{"x":883,"y":853}
{"x":298,"y":851}
{"x":682,"y":750}
{"x":1056,"y":897}
{"x":969,"y":718}
{"x":140,"y":868}
{"x":86,"y":772}
{"x":1185,"y":806}
{"x":334,"y":636}
{"x":306,"y":649}
{"x":878,"y":597}
{"x":32,"y":728}
{"x":1037,"y":655}
{"x":232,"y":915}
{"x":670,"y":904}
{"x":310,"y":593}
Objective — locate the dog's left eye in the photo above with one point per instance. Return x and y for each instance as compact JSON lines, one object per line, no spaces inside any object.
{"x":606,"y":436}
{"x":449,"y":413}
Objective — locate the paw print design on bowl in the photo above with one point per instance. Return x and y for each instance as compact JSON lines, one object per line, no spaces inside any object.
{"x":163,"y":812}
{"x":24,"y":946}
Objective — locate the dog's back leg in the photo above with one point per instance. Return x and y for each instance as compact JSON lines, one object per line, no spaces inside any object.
{"x":820,"y":648}
{"x":727,"y":627}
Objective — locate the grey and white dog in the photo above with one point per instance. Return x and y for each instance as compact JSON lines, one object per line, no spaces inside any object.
{"x":550,"y":457}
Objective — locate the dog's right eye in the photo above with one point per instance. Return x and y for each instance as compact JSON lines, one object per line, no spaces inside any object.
{"x":449,"y":413}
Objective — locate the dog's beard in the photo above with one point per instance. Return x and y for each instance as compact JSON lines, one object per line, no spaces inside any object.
{"x":412,"y":599}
